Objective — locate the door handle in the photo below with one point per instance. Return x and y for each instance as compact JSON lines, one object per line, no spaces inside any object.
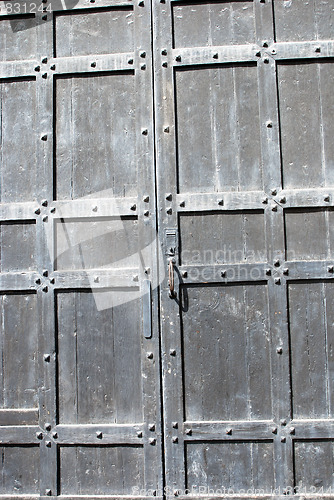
{"x":171,"y":278}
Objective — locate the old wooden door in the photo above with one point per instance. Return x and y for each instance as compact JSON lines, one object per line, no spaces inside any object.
{"x":244,"y":100}
{"x":80,"y":396}
{"x":145,"y":143}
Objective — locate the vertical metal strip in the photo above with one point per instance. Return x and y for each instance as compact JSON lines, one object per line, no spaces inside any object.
{"x":147,"y":248}
{"x":165,"y":129}
{"x":47,"y":360}
{"x":275,"y":242}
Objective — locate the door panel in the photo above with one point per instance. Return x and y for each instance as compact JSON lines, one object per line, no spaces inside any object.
{"x":244,"y":183}
{"x":80,"y":399}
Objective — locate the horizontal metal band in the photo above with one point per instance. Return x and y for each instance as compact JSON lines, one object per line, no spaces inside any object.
{"x":107,"y":497}
{"x":236,"y":200}
{"x":250,"y":430}
{"x":28,"y":416}
{"x":97,"y":278}
{"x":21,"y":281}
{"x":23,"y":434}
{"x":99,"y":434}
{"x":18,"y":211}
{"x":313,"y":429}
{"x":301,"y":50}
{"x":236,"y":272}
{"x":95,"y":207}
{"x":92,"y":63}
{"x":307,"y":270}
{"x":214,"y":55}
{"x":18,"y":69}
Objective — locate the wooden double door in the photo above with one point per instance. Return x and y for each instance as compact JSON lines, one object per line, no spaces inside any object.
{"x":167,"y":251}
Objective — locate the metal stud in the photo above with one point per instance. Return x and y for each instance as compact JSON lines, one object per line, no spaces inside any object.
{"x":276,"y":262}
{"x":169,"y":211}
{"x":274,"y":208}
{"x":44,"y":60}
{"x":169,"y":196}
{"x":277,"y":281}
{"x":48,"y":444}
{"x":164,"y":52}
{"x":279,"y":350}
{"x":133,"y":207}
{"x":228,"y":431}
{"x":139,"y":434}
{"x":45,"y":273}
{"x":52,"y":210}
{"x":48,"y":493}
{"x":144,"y":131}
{"x":189,"y":432}
{"x":182,"y":204}
{"x":130,"y":61}
{"x":184,"y":274}
{"x":149,"y":355}
{"x":326,"y":198}
{"x":143,"y":67}
{"x":55,"y":435}
{"x":152,"y":441}
{"x":45,"y":75}
{"x":47,"y":358}
{"x":215,"y":56}
{"x":45,"y":288}
{"x":175,"y":425}
{"x":37,"y":211}
{"x":266,"y":60}
{"x":178,"y":58}
{"x":93,"y":64}
{"x":330,"y":269}
{"x":52,"y":281}
{"x":223,"y":274}
{"x":143,"y":54}
{"x":99,"y":435}
{"x":37,"y":68}
{"x":94,"y":209}
{"x":274,"y":430}
{"x":283,"y":439}
{"x":39,"y":435}
{"x":165,"y":64}
{"x":318,"y":49}
{"x":53,"y":67}
{"x":44,"y":137}
{"x":292,"y":430}
{"x":166,"y":130}
{"x":141,"y":3}
{"x":45,"y":218}
{"x":286,"y":271}
{"x":44,"y":18}
{"x":38,"y":281}
{"x":172,"y":352}
{"x":274,"y":192}
{"x":221,"y":202}
{"x":146,"y":199}
{"x":151,"y":427}
{"x":264,"y":200}
{"x":48,"y":426}
{"x":146,"y":213}
{"x":268,"y":272}
{"x":282,"y":200}
{"x":269,"y":124}
{"x":283,"y":422}
{"x":175,"y":439}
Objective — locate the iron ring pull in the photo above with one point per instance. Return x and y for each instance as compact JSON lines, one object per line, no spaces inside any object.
{"x":171,"y":278}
